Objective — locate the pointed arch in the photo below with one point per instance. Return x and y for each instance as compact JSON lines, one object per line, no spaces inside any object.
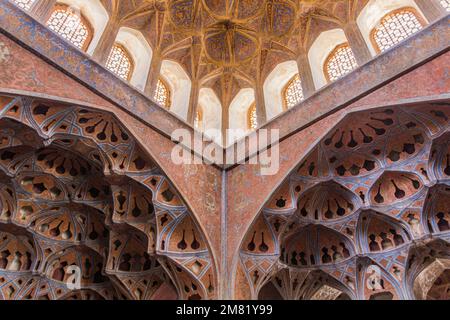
{"x":120,"y":62}
{"x":293,"y":92}
{"x":377,"y":232}
{"x":211,"y":112}
{"x":339,"y":62}
{"x":374,"y":11}
{"x":322,"y":51}
{"x":238,"y":113}
{"x":395,"y":27}
{"x":179,"y":83}
{"x":94,"y":13}
{"x":163,"y":94}
{"x":142,"y":207}
{"x":348,"y":163}
{"x":375,"y":283}
{"x":316,"y":245}
{"x":140,"y":53}
{"x":274,"y":86}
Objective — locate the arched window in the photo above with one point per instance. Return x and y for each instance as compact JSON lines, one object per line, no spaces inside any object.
{"x":396,"y":27}
{"x":198,"y":121}
{"x":252,"y":119}
{"x":293,"y":92}
{"x":25,"y":4}
{"x":120,"y":62}
{"x":162,"y":94}
{"x":446,"y":4}
{"x":340,"y":62}
{"x":71,"y":25}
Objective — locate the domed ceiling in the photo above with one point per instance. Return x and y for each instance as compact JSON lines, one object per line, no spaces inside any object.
{"x":231,"y":44}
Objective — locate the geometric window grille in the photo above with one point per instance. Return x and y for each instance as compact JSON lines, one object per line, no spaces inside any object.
{"x":162,"y":94}
{"x":119,"y":62}
{"x":396,"y":27}
{"x":446,"y":4}
{"x":198,"y":118}
{"x":252,"y":119}
{"x":293,"y":92}
{"x":340,"y":62}
{"x":71,"y":26}
{"x":24,"y":4}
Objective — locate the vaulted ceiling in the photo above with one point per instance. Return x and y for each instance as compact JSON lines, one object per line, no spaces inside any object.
{"x":231,"y":44}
